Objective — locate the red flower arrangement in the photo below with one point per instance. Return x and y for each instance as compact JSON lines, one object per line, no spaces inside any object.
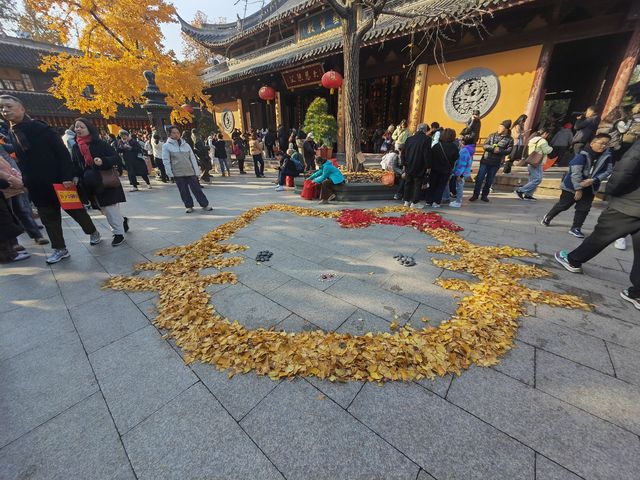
{"x":418,"y":220}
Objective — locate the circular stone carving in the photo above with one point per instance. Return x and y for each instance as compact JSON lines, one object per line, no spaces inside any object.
{"x":228,"y":122}
{"x":475,"y":89}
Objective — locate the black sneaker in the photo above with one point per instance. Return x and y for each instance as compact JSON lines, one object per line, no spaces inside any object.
{"x":634,"y":301}
{"x":125,"y":224}
{"x":117,"y":240}
{"x":529,"y":198}
{"x":473,"y":198}
{"x":545,"y":221}
{"x":485,"y":199}
{"x":576,"y":232}
{"x":519,"y":194}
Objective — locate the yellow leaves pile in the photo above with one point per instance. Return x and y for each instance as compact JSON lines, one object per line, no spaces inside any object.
{"x":368,"y":176}
{"x":481,"y":330}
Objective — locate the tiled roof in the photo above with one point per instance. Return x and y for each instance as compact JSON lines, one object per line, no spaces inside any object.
{"x":41,"y":103}
{"x":25,"y":53}
{"x":278,"y":58}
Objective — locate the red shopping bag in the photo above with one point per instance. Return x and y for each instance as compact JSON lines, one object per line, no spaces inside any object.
{"x":68,"y":197}
{"x":310,"y":190}
{"x":288,"y":181}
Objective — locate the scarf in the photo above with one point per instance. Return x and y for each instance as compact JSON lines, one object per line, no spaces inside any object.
{"x":83,"y":143}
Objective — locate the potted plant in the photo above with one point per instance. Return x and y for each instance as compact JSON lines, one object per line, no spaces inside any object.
{"x":323,"y":125}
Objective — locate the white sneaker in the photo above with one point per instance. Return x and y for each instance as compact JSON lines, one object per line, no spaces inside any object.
{"x":133,"y":189}
{"x":208,"y":208}
{"x":455,"y":204}
{"x":621,"y":244}
{"x":279,"y":188}
{"x":415,"y":205}
{"x":95,"y":238}
{"x":189,"y":210}
{"x":426,"y":205}
{"x":58,"y":255}
{"x":149,"y":187}
{"x":436,"y":205}
{"x":407,"y":204}
{"x":21,"y":256}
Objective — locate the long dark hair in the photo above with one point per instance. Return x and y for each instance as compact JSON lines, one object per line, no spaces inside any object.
{"x":93,"y":130}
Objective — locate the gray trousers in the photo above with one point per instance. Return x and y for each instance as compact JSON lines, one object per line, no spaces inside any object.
{"x":115,"y":218}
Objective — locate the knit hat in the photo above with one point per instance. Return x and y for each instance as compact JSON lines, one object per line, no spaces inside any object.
{"x":506,"y":124}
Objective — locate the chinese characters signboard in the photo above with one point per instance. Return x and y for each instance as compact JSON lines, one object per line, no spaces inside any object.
{"x":309,"y":75}
{"x":318,"y":23}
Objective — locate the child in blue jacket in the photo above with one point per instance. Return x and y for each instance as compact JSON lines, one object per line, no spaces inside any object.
{"x":461,"y":171}
{"x":587,"y":171}
{"x":327,"y":176}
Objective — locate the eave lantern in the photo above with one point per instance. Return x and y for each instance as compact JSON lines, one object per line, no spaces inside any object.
{"x":267,"y":93}
{"x":188,"y":108}
{"x":332,"y":80}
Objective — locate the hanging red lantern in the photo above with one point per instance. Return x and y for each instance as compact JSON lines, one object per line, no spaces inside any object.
{"x":267,"y":93}
{"x":187,"y":108}
{"x":332,"y":79}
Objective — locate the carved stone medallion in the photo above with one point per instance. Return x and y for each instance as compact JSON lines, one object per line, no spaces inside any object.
{"x":475,"y":89}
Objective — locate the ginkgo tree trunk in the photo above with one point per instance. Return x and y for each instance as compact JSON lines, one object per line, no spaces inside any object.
{"x":118,"y":41}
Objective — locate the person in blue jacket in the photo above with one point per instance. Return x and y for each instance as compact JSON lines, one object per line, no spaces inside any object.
{"x":587,"y":171}
{"x":327,"y":176}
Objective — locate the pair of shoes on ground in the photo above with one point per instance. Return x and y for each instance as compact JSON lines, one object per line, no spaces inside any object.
{"x":208,"y":208}
{"x":575,"y":231}
{"x":474,"y":198}
{"x":431,"y":205}
{"x":279,"y":188}
{"x":135,"y":188}
{"x":524,"y":196}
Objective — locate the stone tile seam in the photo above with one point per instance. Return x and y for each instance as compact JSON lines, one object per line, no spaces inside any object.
{"x":39,"y":345}
{"x":238,"y":422}
{"x":611,"y":361}
{"x":118,"y":339}
{"x":558,"y":323}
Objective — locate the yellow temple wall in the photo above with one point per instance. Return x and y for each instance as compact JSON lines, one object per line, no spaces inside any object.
{"x":236,"y":109}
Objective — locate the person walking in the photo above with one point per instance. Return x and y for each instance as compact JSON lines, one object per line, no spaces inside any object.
{"x":539,"y":148}
{"x":181,"y":164}
{"x":587,"y":171}
{"x":156,"y":146}
{"x":131,"y":152}
{"x":416,"y":155}
{"x":309,"y":152}
{"x":96,"y":163}
{"x":400,"y":135}
{"x":497,"y":146}
{"x":44,"y":161}
{"x":519,"y":135}
{"x":10,"y":228}
{"x":619,"y":219}
{"x":220,"y":148}
{"x":585,"y":127}
{"x":561,"y":142}
{"x":440,"y":165}
{"x":327,"y":176}
{"x":256,"y":150}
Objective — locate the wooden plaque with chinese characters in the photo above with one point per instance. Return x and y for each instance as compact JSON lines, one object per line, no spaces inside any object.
{"x":300,"y":77}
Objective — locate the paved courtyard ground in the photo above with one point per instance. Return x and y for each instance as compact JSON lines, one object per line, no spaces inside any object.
{"x":89,"y":389}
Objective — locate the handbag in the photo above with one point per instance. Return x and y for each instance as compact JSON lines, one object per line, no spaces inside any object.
{"x":388,"y":179}
{"x":110,"y":178}
{"x":534,"y":158}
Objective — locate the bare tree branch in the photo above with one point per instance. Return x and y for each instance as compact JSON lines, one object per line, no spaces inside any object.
{"x":340,"y":9}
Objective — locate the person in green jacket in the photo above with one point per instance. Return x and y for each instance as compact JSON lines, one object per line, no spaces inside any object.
{"x":400,"y":135}
{"x":327,"y":176}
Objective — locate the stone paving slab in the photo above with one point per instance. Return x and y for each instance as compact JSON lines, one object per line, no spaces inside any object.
{"x":433,"y":432}
{"x":306,"y":435}
{"x":38,"y":384}
{"x":248,"y":307}
{"x":38,"y":321}
{"x":548,"y":470}
{"x":81,"y":442}
{"x":98,"y":326}
{"x":138,"y":374}
{"x":23,"y":289}
{"x":342,"y":393}
{"x":519,"y":363}
{"x":194,"y":437}
{"x":592,"y":391}
{"x":626,"y":363}
{"x":583,"y":443}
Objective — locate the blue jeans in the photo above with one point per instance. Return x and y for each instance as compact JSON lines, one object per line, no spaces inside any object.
{"x":488,"y":172}
{"x":459,"y":190}
{"x":535,"y":178}
{"x":22,"y":209}
{"x":224,"y":165}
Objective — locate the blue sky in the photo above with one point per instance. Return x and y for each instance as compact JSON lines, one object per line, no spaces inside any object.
{"x":212,"y":8}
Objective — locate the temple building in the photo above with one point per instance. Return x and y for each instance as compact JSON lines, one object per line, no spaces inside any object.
{"x":549,"y":59}
{"x":20,"y":76}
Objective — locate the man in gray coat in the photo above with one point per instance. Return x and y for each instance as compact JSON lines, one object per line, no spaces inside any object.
{"x":619,"y":219}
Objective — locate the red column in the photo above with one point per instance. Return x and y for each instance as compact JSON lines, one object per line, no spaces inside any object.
{"x":624,"y":72}
{"x":537,"y":87}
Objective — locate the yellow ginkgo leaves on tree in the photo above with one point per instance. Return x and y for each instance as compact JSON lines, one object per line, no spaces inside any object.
{"x":482,"y":328}
{"x":118,"y":41}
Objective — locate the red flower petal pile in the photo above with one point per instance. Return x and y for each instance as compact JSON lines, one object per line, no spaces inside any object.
{"x":418,"y":220}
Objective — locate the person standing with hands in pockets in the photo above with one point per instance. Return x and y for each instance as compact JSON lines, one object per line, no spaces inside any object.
{"x":181,"y":164}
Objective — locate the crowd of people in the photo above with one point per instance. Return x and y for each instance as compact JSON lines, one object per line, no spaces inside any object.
{"x":430,"y":165}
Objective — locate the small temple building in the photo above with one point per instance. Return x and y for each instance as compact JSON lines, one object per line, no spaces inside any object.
{"x":549,"y":59}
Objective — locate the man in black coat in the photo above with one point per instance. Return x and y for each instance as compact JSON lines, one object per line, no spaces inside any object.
{"x":416,"y":155}
{"x":619,"y":219}
{"x":586,"y":126}
{"x":44,"y":160}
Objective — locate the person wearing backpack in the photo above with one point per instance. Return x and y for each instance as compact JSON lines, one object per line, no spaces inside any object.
{"x":539,"y":148}
{"x":290,"y":166}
